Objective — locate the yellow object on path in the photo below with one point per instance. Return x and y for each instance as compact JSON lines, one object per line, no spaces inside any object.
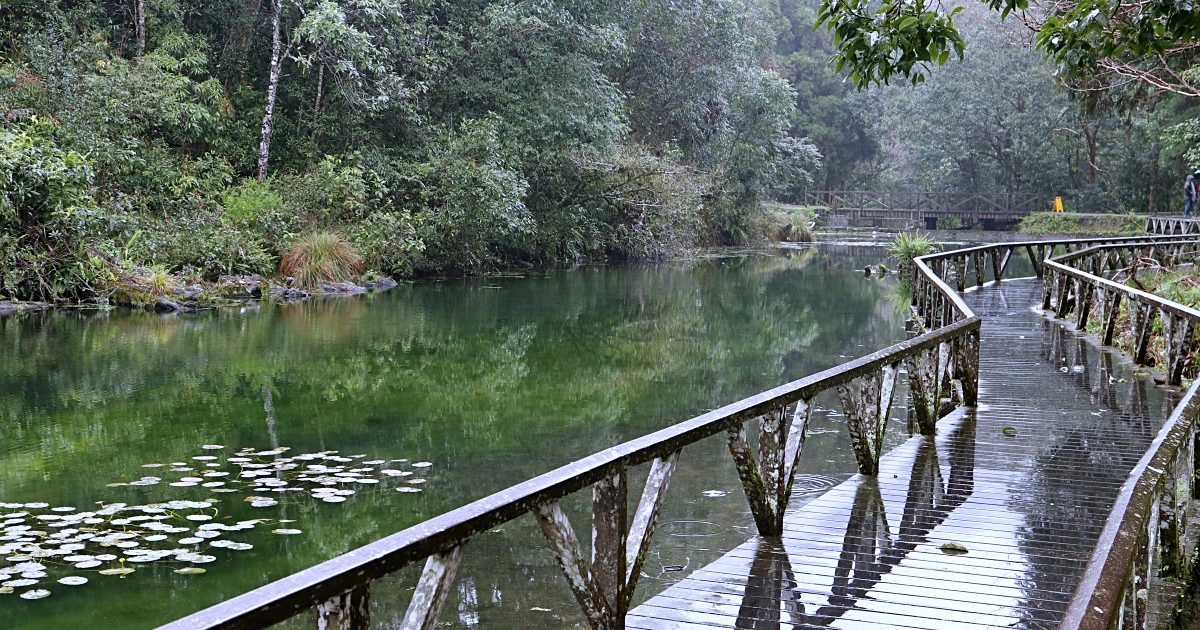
{"x":1058,"y":204}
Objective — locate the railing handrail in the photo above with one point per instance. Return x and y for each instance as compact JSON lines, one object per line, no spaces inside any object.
{"x":1144,"y":297}
{"x":1100,"y":593}
{"x":297,"y":592}
{"x":1098,"y":596}
{"x":288,"y":596}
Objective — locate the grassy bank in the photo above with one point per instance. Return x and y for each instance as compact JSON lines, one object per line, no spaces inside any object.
{"x":1040,"y":223}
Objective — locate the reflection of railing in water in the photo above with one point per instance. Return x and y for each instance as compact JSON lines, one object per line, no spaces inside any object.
{"x":870,"y":548}
{"x":942,"y":364}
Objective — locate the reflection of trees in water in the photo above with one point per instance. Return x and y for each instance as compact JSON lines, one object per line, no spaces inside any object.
{"x":871,"y":548}
{"x":1077,"y":474}
{"x":594,"y":348}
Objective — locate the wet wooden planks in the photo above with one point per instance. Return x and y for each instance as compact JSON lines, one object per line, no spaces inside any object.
{"x":1023,"y":483}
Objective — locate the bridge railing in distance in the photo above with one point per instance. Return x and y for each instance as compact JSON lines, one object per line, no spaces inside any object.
{"x":1144,"y":551}
{"x":1172,"y":225}
{"x":765,"y":435}
{"x":861,"y":203}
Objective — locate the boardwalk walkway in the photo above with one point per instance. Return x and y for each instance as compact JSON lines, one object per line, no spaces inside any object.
{"x":1023,"y":482}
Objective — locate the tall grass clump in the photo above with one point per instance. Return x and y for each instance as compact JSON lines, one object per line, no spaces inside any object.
{"x":908,"y":246}
{"x":319,"y":257}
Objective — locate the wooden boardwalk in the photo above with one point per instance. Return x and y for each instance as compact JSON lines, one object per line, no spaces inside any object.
{"x":1023,"y":482}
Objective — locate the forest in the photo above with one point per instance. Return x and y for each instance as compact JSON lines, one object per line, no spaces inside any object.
{"x":180,"y":141}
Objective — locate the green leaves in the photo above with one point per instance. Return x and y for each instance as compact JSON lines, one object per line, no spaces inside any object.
{"x":897,"y":39}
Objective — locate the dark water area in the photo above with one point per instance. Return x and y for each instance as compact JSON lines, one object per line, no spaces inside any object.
{"x":490,"y":380}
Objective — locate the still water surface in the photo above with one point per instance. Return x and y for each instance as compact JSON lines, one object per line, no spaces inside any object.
{"x":492,"y":380}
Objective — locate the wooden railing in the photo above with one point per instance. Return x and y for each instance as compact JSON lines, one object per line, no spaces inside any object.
{"x":942,"y":365}
{"x":997,"y":204}
{"x":1146,"y":538}
{"x":1172,"y":225}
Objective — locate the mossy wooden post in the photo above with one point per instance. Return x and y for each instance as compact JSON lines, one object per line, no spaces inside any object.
{"x":1112,"y":308}
{"x":977,"y":262}
{"x":1048,"y":290}
{"x":925,"y":381}
{"x":433,"y":588}
{"x":867,"y":409}
{"x":966,"y":368}
{"x":1000,"y":258}
{"x":1084,"y":295}
{"x":1177,"y":345}
{"x":1141,"y":319}
{"x":768,"y":477}
{"x":1065,"y":299}
{"x":960,"y":273}
{"x":588,"y":591}
{"x":349,"y":611}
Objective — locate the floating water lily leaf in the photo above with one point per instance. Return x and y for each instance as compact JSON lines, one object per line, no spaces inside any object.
{"x":422,"y":464}
{"x":35,"y":594}
{"x":212,"y":447}
{"x":73,"y":580}
{"x":191,"y":571}
{"x":122,"y":571}
{"x":953,"y":548}
{"x":1009,"y":431}
{"x":286,"y":532}
{"x":6,"y":590}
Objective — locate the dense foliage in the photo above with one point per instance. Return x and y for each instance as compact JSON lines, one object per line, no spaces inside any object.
{"x":454,"y":136}
{"x":437,"y":136}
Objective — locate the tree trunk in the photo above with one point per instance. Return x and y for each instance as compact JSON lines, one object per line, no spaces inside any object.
{"x":264,"y":143}
{"x":316,"y":121}
{"x":139,"y":16}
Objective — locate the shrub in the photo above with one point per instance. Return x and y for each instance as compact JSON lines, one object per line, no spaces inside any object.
{"x":42,"y":189}
{"x":250,"y":200}
{"x":335,"y":191}
{"x":906,"y":247}
{"x":195,"y":243}
{"x":388,"y":242}
{"x":320,"y":257}
{"x":473,"y":196}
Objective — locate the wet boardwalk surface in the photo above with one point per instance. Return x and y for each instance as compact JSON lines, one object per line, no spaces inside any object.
{"x":1026,"y":506}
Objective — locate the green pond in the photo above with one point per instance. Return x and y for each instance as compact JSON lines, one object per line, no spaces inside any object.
{"x":489,"y":381}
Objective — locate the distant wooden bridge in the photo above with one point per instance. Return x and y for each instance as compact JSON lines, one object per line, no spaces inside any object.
{"x":922,"y":208}
{"x":1045,"y":484}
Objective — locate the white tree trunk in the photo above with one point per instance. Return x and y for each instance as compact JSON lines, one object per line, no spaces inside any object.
{"x":264,"y":144}
{"x":139,"y":16}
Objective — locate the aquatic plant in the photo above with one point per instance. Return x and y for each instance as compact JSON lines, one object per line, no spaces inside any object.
{"x":320,"y":257}
{"x":40,"y":544}
{"x":906,"y":247}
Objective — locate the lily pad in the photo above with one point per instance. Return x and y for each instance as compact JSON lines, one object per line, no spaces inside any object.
{"x":286,"y":532}
{"x":1009,"y":431}
{"x":191,"y":571}
{"x":35,"y":594}
{"x":122,"y":571}
{"x":953,"y":548}
{"x":73,"y":580}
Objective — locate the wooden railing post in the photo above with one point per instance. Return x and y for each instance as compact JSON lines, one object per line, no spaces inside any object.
{"x":867,"y":410}
{"x":349,"y":611}
{"x":609,"y":527}
{"x":433,"y":588}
